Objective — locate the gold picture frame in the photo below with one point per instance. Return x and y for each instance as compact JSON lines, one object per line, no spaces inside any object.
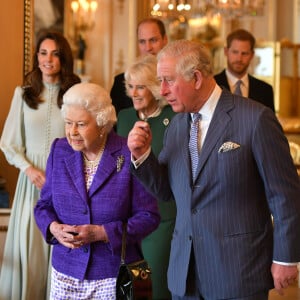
{"x":28,"y":35}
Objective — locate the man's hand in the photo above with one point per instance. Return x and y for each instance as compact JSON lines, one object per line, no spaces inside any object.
{"x":283,"y":276}
{"x":139,"y":139}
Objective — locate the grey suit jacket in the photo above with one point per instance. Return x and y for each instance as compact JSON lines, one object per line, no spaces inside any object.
{"x":225,"y":214}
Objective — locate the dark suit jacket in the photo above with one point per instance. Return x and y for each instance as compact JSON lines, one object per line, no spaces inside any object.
{"x":259,"y":90}
{"x":118,"y":94}
{"x":114,"y":196}
{"x":225,"y":214}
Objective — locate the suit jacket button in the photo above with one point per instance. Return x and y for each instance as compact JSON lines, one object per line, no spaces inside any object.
{"x":190,"y":238}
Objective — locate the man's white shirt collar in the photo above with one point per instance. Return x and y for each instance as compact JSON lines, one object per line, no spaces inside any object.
{"x":207,"y":110}
{"x":232,"y":80}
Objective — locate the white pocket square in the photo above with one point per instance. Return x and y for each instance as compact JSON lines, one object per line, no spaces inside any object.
{"x":228,"y":146}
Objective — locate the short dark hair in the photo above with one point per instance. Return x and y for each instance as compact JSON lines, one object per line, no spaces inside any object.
{"x":241,"y":35}
{"x":160,"y":24}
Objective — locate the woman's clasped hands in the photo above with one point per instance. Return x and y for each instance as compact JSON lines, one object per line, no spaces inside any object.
{"x":75,"y":236}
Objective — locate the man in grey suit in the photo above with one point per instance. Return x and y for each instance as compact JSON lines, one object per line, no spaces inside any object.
{"x":225,"y":245}
{"x":239,"y":52}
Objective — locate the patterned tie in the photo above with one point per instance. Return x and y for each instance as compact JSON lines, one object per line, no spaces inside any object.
{"x":194,"y":143}
{"x":238,"y":88}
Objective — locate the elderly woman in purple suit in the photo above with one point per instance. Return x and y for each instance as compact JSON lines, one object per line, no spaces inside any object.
{"x":88,"y":194}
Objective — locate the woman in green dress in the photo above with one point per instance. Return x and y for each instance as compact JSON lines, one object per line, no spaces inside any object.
{"x":143,"y":88}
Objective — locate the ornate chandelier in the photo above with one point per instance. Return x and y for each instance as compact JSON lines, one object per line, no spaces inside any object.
{"x":227,"y":8}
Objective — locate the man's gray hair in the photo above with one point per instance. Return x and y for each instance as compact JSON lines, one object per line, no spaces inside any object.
{"x":190,"y":56}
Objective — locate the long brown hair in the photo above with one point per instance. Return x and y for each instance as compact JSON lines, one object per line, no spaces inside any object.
{"x":33,"y":84}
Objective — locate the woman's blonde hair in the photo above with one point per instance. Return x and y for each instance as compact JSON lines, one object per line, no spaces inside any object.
{"x":143,"y":70}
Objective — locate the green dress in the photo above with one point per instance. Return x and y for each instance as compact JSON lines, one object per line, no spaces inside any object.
{"x":156,"y":246}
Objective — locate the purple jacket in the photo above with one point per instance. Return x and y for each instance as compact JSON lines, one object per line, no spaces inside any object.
{"x":114,"y":196}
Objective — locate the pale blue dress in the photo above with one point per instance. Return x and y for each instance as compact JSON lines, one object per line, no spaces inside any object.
{"x":25,"y":141}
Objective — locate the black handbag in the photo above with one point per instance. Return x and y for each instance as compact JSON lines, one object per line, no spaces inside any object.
{"x":134,"y":279}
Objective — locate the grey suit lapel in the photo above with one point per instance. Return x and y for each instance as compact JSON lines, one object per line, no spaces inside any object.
{"x":217,"y":126}
{"x":183,"y":142}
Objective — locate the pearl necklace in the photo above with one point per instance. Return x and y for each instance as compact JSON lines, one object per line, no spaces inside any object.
{"x":145,"y":118}
{"x":92,"y":164}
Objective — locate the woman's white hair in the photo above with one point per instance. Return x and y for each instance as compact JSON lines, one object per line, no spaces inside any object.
{"x":94,"y":99}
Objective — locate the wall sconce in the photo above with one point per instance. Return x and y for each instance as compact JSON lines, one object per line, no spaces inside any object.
{"x":83,"y":20}
{"x":84,"y":14}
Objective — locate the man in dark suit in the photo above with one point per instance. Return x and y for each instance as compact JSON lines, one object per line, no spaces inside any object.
{"x":239,"y":51}
{"x":152,"y":37}
{"x":225,"y":244}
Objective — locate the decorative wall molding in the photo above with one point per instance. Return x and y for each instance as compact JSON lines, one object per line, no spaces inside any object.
{"x":4,"y":220}
{"x":121,"y":6}
{"x":4,"y":217}
{"x":120,"y":62}
{"x":3,"y":227}
{"x":28,"y":29}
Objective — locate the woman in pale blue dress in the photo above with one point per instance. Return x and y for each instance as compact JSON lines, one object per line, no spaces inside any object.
{"x":34,"y":120}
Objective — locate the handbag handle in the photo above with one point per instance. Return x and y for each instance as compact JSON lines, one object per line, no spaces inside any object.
{"x":123,"y":251}
{"x":124,"y":233}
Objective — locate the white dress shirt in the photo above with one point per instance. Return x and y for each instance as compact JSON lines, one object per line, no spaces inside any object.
{"x":232,"y":80}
